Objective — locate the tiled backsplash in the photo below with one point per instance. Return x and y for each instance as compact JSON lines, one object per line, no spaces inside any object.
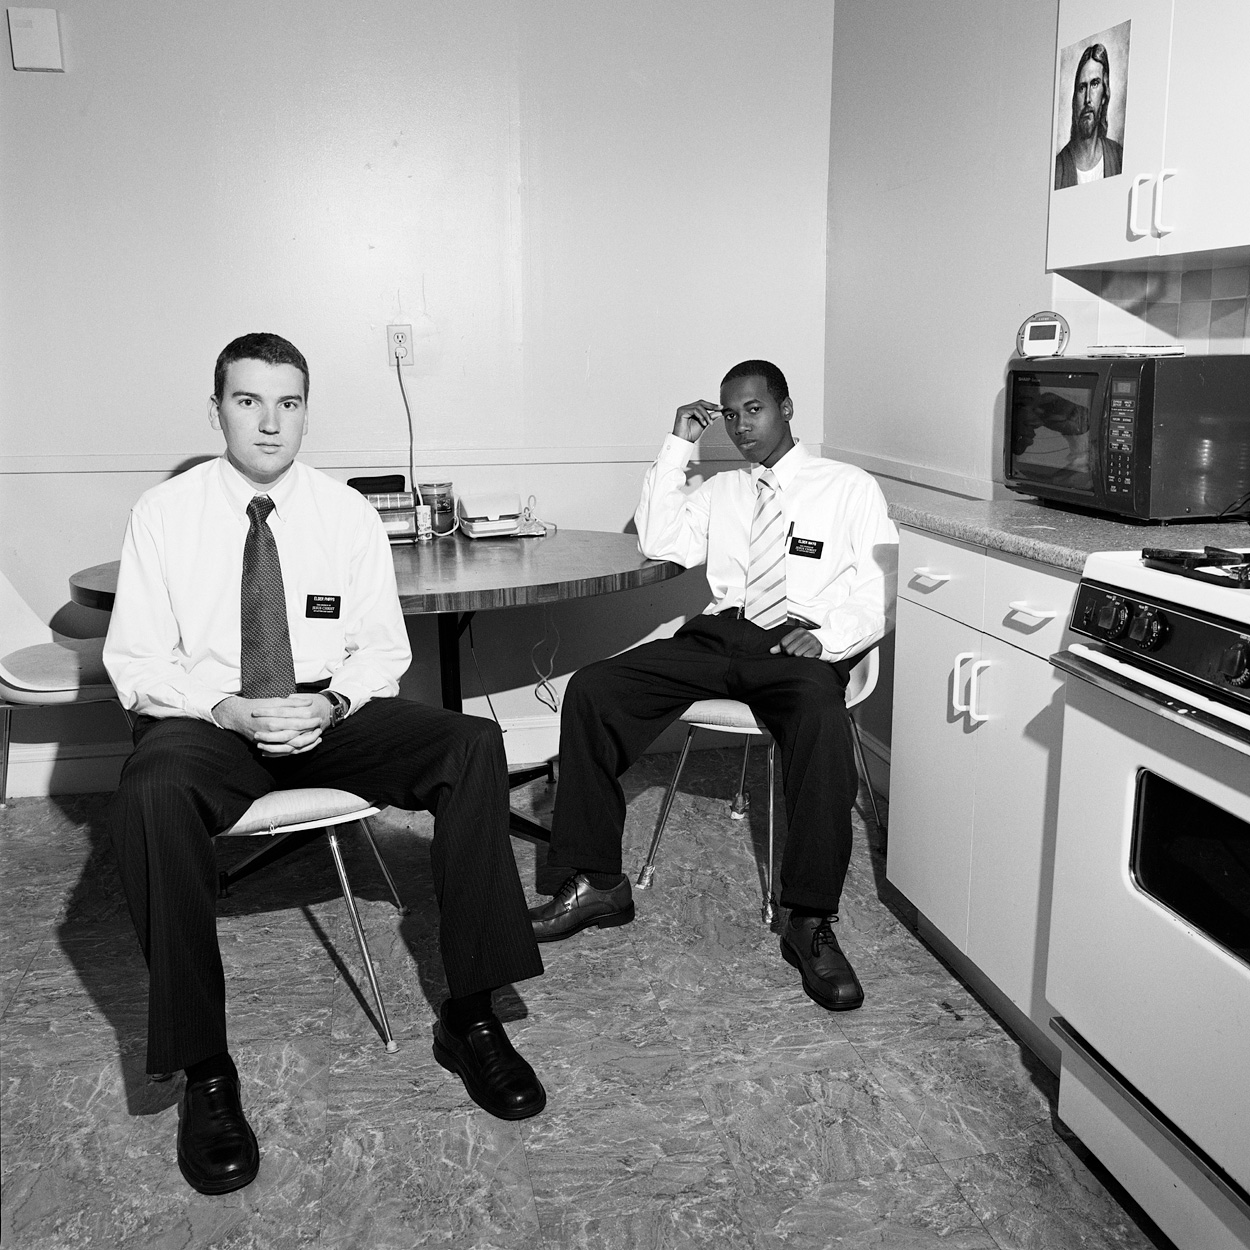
{"x":1204,"y":309}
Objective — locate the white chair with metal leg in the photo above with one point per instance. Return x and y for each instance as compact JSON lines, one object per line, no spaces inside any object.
{"x":732,"y":716}
{"x":38,"y":668}
{"x":284,"y":813}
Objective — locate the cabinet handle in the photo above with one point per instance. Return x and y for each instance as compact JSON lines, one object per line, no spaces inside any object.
{"x":1039,"y":614}
{"x":1134,"y":195}
{"x":974,"y":716}
{"x":1157,"y":216}
{"x":960,"y":660}
{"x":930,"y":576}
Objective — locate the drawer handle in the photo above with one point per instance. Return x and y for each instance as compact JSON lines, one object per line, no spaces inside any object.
{"x":960,"y":660}
{"x":1039,"y":614}
{"x":977,"y":718}
{"x":930,"y":576}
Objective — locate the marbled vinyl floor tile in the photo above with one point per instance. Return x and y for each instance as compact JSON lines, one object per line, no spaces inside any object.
{"x":966,"y":1096}
{"x":634,"y":1174}
{"x":1042,"y":1197}
{"x":416,"y":1177}
{"x":795,"y":1132}
{"x":907,"y":1210}
{"x":86,"y":1001}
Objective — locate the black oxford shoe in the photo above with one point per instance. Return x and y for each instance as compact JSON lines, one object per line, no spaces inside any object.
{"x":808,"y":944}
{"x":496,"y":1077}
{"x":217,"y":1149}
{"x":577,"y":905}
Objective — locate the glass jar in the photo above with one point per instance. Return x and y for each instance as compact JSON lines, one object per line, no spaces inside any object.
{"x":442,"y":504}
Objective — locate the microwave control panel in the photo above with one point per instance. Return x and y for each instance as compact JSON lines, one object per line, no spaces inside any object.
{"x":1121,"y":432}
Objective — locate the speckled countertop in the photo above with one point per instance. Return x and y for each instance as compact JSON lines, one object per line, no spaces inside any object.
{"x":1036,"y":531}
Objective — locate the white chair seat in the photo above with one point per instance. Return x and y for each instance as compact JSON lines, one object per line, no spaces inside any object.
{"x":292,"y":810}
{"x":722,"y":714}
{"x":732,"y":715}
{"x":38,"y":668}
{"x":67,"y":671}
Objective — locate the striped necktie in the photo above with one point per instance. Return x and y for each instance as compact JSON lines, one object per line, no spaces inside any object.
{"x":766,"y":565}
{"x":266,"y":668}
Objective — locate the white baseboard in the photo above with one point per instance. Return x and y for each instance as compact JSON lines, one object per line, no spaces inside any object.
{"x":40,"y":769}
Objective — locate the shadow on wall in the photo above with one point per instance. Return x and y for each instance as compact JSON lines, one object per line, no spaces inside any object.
{"x":579,"y":630}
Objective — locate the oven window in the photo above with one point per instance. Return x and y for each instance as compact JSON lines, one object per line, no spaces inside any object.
{"x":1194,"y":858}
{"x":1050,"y":427}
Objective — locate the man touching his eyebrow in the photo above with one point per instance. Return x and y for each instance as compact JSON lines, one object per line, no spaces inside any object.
{"x":802,"y":564}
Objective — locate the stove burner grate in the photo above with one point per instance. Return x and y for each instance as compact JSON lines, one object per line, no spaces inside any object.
{"x":1216,"y":565}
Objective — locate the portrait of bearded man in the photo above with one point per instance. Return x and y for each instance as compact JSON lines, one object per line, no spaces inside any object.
{"x":1089,"y":154}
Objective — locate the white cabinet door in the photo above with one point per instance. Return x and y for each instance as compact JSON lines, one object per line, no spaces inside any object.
{"x":1013,"y":837}
{"x":1205,"y":205}
{"x":932,"y":766}
{"x":1108,"y":221}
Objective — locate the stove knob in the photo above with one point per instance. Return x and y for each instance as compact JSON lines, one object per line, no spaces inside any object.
{"x":1120,"y":616}
{"x":1106,"y":614}
{"x":1235,"y":664}
{"x":1154,"y":629}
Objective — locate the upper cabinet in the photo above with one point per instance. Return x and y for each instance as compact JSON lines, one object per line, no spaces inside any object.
{"x":1160,"y":90}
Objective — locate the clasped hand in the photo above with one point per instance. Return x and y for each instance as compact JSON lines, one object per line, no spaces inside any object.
{"x":287,"y":726}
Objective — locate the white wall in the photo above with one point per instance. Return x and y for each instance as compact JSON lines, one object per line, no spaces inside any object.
{"x":939,"y":169}
{"x":587,"y":211}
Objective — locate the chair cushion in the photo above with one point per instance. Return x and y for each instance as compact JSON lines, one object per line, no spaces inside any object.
{"x":722,"y":714}
{"x":310,"y":806}
{"x":67,"y":667}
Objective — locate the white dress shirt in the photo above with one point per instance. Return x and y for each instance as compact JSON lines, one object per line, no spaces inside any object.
{"x":173,"y":641}
{"x":841,"y":550}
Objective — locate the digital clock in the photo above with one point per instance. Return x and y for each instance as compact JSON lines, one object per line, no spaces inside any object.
{"x":1042,"y":334}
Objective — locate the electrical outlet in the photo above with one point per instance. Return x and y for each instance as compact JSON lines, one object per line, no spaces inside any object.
{"x":399,"y":344}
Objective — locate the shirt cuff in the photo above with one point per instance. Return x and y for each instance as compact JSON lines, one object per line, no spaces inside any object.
{"x":675,"y":452}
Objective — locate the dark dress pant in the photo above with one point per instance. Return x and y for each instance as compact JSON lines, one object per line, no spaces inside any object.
{"x":614,"y":708}
{"x":189,"y":780}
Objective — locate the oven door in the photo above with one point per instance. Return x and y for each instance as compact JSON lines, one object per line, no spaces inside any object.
{"x":1152,"y":869}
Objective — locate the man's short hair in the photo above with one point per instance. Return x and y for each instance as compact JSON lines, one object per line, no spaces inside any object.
{"x":1095,"y":52}
{"x":273,"y":349}
{"x":774,"y":379}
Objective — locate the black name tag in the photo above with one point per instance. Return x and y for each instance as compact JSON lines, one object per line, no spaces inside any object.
{"x":324,"y":605}
{"x":808,"y":547}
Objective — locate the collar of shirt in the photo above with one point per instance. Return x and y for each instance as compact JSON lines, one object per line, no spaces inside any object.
{"x":240,"y":492}
{"x":786,"y":469}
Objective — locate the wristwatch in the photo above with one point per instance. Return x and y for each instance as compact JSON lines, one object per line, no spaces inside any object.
{"x":340,"y":704}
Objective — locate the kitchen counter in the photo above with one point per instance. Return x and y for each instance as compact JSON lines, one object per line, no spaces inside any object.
{"x":1028,"y":528}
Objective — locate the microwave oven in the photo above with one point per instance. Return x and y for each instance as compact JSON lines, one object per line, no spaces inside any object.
{"x":1141,"y":438}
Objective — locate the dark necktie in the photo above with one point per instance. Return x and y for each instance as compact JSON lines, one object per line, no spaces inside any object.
{"x":766,"y":603}
{"x":265,"y":649}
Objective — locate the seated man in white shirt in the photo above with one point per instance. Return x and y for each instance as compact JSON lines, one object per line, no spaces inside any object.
{"x":802,"y":564}
{"x":258,"y":635}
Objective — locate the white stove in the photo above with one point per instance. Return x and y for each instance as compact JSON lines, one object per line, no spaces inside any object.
{"x":1149,"y":959}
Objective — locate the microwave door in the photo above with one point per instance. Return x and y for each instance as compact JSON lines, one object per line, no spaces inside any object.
{"x":1053,"y":426}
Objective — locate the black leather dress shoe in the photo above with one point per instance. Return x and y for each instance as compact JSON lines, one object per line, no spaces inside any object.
{"x":217,"y":1149}
{"x":808,"y":944}
{"x":577,"y":905}
{"x":496,"y":1077}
